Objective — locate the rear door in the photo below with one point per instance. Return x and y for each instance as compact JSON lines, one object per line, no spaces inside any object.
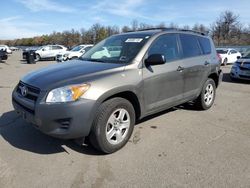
{"x":163,"y":84}
{"x":55,"y":50}
{"x":196,"y":60}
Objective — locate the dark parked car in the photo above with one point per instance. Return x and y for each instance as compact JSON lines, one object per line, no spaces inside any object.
{"x":102,"y":94}
{"x":3,"y":55}
{"x":29,"y":50}
{"x":241,"y":68}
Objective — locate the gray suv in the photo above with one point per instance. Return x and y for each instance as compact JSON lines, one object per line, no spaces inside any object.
{"x":119,"y":81}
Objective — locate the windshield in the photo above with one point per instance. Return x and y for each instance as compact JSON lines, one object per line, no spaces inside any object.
{"x":221,"y":51}
{"x":39,"y":48}
{"x":117,"y":49}
{"x":247,"y":55}
{"x":77,"y":48}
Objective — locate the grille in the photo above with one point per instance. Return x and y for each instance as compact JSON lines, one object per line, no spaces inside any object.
{"x":32,"y":92}
{"x":244,"y":68}
{"x":245,"y":63}
{"x":24,"y":107}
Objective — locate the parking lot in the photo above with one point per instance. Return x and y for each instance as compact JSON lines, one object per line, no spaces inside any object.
{"x":180,"y":147}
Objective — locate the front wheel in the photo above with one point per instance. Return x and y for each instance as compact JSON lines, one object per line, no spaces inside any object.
{"x":38,"y":57}
{"x":207,"y":95}
{"x":113,"y":125}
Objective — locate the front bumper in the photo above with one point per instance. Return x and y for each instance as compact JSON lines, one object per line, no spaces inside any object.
{"x":4,"y":57}
{"x":62,"y":120}
{"x":237,"y":73}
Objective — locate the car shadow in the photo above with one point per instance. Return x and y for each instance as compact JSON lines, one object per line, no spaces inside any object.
{"x":227,"y":78}
{"x":3,"y":61}
{"x":24,"y":136}
{"x":186,"y":106}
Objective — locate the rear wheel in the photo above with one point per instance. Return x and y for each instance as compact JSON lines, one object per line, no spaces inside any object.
{"x":207,"y":95}
{"x":113,"y":125}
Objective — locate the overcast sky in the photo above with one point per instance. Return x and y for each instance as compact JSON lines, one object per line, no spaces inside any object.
{"x":28,"y":18}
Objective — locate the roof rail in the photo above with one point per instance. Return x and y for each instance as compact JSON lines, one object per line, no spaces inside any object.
{"x":152,"y":28}
{"x":170,"y":29}
{"x":194,"y":31}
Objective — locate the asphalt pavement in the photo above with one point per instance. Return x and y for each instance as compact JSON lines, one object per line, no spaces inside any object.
{"x":180,"y":147}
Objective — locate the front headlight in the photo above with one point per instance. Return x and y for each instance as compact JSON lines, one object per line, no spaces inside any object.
{"x":67,"y":93}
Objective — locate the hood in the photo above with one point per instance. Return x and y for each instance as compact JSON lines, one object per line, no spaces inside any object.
{"x":243,"y":62}
{"x":72,"y":72}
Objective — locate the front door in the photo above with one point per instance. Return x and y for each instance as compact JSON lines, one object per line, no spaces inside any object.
{"x":163,"y":84}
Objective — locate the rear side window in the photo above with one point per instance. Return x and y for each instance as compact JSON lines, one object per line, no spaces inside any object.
{"x":166,"y":45}
{"x":205,"y":45}
{"x":190,"y":46}
{"x":56,"y":47}
{"x":47,"y":48}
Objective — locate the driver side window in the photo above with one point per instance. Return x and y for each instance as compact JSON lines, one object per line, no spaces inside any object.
{"x":166,"y":45}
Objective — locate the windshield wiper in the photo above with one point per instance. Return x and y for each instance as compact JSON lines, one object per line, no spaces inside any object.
{"x":94,"y":60}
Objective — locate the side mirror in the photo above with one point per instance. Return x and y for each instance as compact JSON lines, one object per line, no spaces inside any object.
{"x":238,"y":57}
{"x":43,"y":49}
{"x":155,"y":59}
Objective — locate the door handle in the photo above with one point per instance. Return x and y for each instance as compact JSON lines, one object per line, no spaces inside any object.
{"x":180,"y":68}
{"x":206,"y":63}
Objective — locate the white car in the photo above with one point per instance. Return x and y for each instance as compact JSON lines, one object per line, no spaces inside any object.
{"x":228,"y":55}
{"x":75,"y":53}
{"x":5,"y":47}
{"x":102,"y":52}
{"x":49,"y":51}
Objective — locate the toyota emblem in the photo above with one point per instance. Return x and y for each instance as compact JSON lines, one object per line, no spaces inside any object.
{"x":24,"y":90}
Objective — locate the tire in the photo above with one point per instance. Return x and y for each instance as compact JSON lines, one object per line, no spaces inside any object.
{"x":225,"y":62}
{"x":38,"y":57}
{"x":113,"y":125}
{"x":207,"y":95}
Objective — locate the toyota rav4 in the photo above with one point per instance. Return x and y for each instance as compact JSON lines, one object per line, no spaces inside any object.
{"x":119,"y":81}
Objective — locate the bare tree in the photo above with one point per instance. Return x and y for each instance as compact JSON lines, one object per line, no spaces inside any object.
{"x":134,"y":25}
{"x":224,"y":27}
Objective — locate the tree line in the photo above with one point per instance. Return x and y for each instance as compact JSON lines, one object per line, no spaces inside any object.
{"x":226,"y":30}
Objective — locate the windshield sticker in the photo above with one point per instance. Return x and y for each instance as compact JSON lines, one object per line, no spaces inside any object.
{"x":137,"y":40}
